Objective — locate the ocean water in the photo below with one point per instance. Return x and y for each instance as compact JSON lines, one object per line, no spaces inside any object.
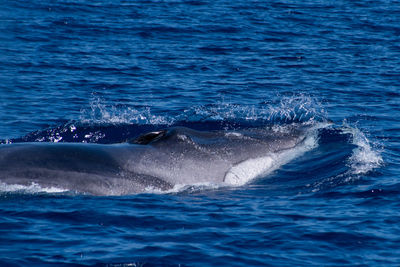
{"x":109,"y":71}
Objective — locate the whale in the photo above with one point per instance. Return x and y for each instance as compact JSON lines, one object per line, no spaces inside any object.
{"x":154,"y":161}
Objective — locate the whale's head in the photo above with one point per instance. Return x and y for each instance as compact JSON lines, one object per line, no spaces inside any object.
{"x":183,"y":155}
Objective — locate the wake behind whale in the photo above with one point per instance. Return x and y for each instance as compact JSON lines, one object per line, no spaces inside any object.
{"x":159,"y":160}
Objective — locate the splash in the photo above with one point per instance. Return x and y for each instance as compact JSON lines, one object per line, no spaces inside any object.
{"x":100,"y":113}
{"x":299,"y":109}
{"x":364,"y":157}
{"x":286,"y":109}
{"x":104,"y":123}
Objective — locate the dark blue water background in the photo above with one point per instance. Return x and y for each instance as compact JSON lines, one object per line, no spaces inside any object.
{"x":106,"y":71}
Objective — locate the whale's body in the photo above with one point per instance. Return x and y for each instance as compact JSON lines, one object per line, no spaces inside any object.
{"x":157,"y":160}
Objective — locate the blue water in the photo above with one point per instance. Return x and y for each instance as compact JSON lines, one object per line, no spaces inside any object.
{"x":108,"y":71}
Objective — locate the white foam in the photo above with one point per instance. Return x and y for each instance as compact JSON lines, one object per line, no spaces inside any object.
{"x":234,"y":134}
{"x":32,"y":188}
{"x":178,"y":188}
{"x":364,"y":158}
{"x":251,"y":169}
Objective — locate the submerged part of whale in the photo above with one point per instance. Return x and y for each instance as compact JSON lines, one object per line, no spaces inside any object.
{"x":157,"y":160}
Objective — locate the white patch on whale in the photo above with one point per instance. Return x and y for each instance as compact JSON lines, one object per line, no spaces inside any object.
{"x":254,"y":168}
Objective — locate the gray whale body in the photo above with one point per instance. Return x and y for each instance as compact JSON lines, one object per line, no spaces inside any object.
{"x":155,"y":161}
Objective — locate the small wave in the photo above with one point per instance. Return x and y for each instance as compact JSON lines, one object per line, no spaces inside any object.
{"x":357,"y":155}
